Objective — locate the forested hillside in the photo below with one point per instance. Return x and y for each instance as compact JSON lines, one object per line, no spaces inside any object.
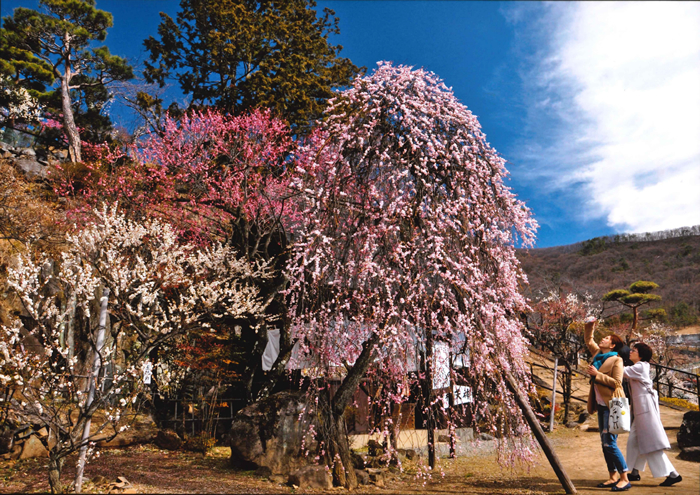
{"x":600,"y":265}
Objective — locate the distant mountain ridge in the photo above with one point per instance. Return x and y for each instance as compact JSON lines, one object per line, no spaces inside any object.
{"x":671,"y":258}
{"x":633,"y":237}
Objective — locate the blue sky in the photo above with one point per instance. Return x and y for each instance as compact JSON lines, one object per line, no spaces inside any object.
{"x":594,"y":105}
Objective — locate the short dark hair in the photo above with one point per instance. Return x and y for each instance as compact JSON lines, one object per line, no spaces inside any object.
{"x":624,"y":353}
{"x":617,"y":342}
{"x":644,"y":351}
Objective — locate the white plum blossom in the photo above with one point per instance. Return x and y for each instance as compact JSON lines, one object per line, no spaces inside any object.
{"x":160,"y":288}
{"x":16,"y":103}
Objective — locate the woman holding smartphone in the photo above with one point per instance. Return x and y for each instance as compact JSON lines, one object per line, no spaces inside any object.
{"x":606,"y":371}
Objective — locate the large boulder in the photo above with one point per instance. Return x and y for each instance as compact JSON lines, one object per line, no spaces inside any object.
{"x":312,"y":477}
{"x":31,"y":167}
{"x":691,"y":454}
{"x":143,"y":430}
{"x":13,"y":454}
{"x":168,"y":440}
{"x":270,"y":433}
{"x":376,"y":476}
{"x":362,"y":477}
{"x":7,"y":441}
{"x":689,"y":432}
{"x":33,"y":448}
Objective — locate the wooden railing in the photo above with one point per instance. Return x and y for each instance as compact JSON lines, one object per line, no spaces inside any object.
{"x":658,"y":383}
{"x":663,"y":388}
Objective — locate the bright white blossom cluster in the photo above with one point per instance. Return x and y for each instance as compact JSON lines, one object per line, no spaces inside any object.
{"x":163,"y":286}
{"x":17,"y":103}
{"x":159,"y":288}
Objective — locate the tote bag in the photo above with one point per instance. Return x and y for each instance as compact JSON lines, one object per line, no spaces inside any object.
{"x":620,"y":418}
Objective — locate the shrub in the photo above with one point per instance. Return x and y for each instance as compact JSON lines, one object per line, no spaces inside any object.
{"x":199,"y":443}
{"x":680,"y":403}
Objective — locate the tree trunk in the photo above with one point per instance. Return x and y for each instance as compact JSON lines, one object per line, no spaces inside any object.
{"x":394,"y":426}
{"x":69,"y":126}
{"x":338,"y":450}
{"x":567,"y":392}
{"x":55,"y":466}
{"x":344,"y":451}
{"x":335,"y":431}
{"x":254,"y":363}
{"x":96,"y":367}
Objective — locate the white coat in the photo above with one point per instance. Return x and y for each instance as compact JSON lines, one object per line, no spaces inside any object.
{"x":649,"y":434}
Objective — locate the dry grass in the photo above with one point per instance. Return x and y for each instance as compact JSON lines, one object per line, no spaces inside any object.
{"x":151,"y":470}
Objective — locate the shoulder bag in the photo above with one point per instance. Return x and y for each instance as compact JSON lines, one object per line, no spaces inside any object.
{"x":620,"y":418}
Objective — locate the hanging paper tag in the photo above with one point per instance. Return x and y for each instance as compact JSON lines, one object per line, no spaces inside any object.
{"x":147,"y":368}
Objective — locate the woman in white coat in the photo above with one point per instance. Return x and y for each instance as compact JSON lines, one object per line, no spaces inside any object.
{"x":647,"y":439}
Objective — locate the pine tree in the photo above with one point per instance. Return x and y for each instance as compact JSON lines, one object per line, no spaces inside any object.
{"x":242,"y":54}
{"x":637,"y":295}
{"x":55,"y":47}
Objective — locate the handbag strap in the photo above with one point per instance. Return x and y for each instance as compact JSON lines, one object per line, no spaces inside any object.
{"x":619,"y":392}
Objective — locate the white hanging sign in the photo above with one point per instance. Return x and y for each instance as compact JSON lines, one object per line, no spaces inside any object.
{"x":462,"y":395}
{"x":147,"y":368}
{"x":441,"y":365}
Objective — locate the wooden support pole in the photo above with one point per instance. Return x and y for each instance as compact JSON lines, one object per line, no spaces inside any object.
{"x":450,"y":424}
{"x":428,"y":396}
{"x":531,"y":419}
{"x":554,"y":396}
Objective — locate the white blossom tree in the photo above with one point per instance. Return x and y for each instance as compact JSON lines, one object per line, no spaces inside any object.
{"x":555,"y":325}
{"x":159,"y":289}
{"x":16,"y":104}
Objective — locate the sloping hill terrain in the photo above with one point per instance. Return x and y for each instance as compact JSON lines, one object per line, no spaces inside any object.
{"x":602,"y":264}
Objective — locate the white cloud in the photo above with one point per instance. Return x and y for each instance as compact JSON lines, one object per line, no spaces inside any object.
{"x":613,"y":101}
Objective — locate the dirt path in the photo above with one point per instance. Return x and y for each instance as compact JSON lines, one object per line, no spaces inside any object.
{"x":581,"y":454}
{"x":151,"y":470}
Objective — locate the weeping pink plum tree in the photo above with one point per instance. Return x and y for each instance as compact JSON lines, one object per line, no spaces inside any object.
{"x":409,"y":238}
